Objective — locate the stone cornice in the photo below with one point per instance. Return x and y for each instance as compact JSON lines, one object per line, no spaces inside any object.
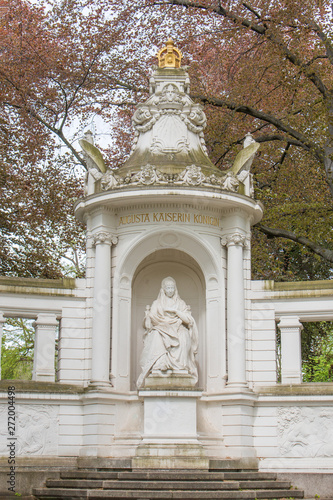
{"x":197,"y":199}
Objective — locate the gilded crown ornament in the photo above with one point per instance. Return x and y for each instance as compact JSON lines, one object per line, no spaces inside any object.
{"x":169,"y":56}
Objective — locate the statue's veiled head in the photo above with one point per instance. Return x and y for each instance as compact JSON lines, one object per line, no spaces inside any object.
{"x":169,"y":286}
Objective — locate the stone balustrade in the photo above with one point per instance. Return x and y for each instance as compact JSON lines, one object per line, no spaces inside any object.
{"x":66,"y":305}
{"x":51,"y":305}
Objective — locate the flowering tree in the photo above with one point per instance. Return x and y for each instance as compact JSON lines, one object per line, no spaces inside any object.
{"x":263,"y":67}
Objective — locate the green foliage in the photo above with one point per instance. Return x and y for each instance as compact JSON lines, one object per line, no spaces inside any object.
{"x":17,"y":349}
{"x":317,"y":352}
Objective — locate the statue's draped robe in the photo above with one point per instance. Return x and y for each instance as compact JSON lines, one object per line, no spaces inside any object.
{"x":169,"y":341}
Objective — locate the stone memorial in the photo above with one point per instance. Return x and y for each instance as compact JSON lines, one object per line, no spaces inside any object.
{"x":167,"y":352}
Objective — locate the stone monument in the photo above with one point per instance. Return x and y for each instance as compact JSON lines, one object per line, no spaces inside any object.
{"x":167,"y":352}
{"x":168,"y":215}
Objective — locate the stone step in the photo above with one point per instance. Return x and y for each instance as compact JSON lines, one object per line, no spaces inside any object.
{"x":253,"y":476}
{"x":170,"y":475}
{"x":149,"y":484}
{"x":115,"y":464}
{"x":62,"y":493}
{"x":155,"y":485}
{"x":146,"y":485}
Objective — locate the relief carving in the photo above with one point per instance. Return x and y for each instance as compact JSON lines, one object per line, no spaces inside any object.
{"x":36,"y":430}
{"x":305,"y":432}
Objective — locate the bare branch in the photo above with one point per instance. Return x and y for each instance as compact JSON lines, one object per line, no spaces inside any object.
{"x":248,"y":110}
{"x":251,"y":9}
{"x":126,"y":85}
{"x":222,"y":12}
{"x":277,"y":137}
{"x":52,"y":129}
{"x":325,"y":253}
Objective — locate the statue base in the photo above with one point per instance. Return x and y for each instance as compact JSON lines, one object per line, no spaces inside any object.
{"x":169,"y":379}
{"x":170,"y":436}
{"x":170,"y":456}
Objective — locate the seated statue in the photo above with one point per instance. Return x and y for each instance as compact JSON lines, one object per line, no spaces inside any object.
{"x":171,"y":336}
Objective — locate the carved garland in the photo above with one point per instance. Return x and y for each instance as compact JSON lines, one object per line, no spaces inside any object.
{"x":191,"y":176}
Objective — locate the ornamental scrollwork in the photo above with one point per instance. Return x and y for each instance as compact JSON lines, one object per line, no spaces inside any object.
{"x":104,"y":237}
{"x":170,"y":101}
{"x":236,"y":239}
{"x":192,"y":176}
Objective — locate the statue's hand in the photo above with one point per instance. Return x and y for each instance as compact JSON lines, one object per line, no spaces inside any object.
{"x":172,"y":311}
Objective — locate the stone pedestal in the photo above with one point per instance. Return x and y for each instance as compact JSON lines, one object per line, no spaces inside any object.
{"x":168,"y":380}
{"x":170,"y":430}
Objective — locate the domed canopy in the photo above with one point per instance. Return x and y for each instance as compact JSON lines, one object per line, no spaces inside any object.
{"x":169,"y":147}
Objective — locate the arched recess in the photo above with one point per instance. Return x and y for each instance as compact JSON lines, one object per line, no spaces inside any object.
{"x":145,"y":288}
{"x":193,"y":262}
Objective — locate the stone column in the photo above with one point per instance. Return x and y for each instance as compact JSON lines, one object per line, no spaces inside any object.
{"x":2,"y":321}
{"x":101,"y":325}
{"x":291,"y":356}
{"x":236,"y":311}
{"x":44,"y":350}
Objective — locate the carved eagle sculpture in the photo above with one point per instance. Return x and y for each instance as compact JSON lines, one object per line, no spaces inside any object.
{"x":92,"y":155}
{"x":244,"y":158}
{"x":94,"y":161}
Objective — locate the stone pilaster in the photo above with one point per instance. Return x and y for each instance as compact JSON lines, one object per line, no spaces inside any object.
{"x":44,"y":350}
{"x":101,"y":325}
{"x":291,"y":356}
{"x":2,"y":321}
{"x":236,"y":310}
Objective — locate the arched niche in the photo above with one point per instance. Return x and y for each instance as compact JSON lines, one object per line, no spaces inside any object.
{"x":183,"y":254}
{"x":145,"y":288}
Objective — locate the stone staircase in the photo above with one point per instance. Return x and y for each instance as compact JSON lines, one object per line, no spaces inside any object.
{"x":162,"y":484}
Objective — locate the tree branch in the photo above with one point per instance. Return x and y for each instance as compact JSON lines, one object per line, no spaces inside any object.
{"x":324,"y":38}
{"x":325,"y":253}
{"x":248,"y":110}
{"x":251,"y":9}
{"x":263,"y":31}
{"x":277,"y":137}
{"x":51,"y":129}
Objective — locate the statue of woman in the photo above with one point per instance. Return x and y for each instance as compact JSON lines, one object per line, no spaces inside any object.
{"x":171,"y":335}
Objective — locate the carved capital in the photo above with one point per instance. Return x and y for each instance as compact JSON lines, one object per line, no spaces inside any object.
{"x":290,"y":324}
{"x":46,"y":321}
{"x":104,"y":237}
{"x":237,"y":239}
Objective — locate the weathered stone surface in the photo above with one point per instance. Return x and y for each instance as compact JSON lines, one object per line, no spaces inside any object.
{"x":165,"y":484}
{"x":40,"y":387}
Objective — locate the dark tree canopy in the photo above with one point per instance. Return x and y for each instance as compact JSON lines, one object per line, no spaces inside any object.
{"x":261,"y":66}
